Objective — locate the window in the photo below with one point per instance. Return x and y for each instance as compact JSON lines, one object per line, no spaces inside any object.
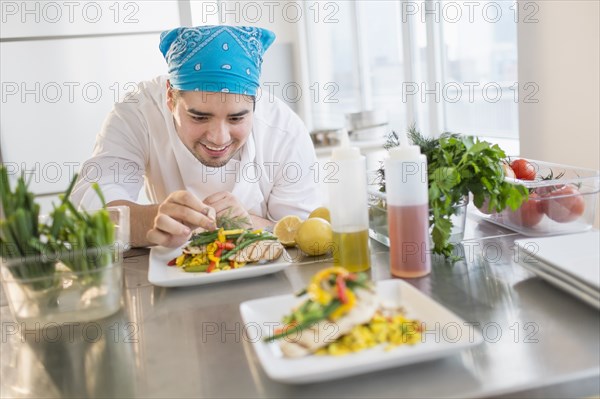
{"x":482,"y":52}
{"x":447,"y":66}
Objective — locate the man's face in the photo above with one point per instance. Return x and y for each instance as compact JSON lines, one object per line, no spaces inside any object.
{"x":213,"y":126}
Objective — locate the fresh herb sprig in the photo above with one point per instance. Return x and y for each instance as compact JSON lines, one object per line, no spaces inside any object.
{"x":458,"y":165}
{"x":229,"y":222}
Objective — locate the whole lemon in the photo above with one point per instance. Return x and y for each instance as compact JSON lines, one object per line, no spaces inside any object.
{"x":315,"y":236}
{"x":321,"y":212}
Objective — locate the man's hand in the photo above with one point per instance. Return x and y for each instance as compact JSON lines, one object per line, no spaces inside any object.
{"x":226,"y":204}
{"x":177,"y":216}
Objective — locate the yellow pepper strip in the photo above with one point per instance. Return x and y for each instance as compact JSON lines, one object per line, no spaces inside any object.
{"x":221,"y":235}
{"x":318,"y":294}
{"x":315,"y":289}
{"x":211,"y":248}
{"x":233,"y":232}
{"x":180,"y":259}
{"x":342,"y":310}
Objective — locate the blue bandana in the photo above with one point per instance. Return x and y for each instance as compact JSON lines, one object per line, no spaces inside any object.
{"x":217,"y":58}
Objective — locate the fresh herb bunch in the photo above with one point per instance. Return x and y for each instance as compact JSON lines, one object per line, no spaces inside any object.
{"x":458,"y":165}
{"x":67,"y":230}
{"x":19,"y":227}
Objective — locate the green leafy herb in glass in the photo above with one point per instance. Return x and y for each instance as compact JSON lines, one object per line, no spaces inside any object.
{"x":67,"y":231}
{"x":458,"y":165}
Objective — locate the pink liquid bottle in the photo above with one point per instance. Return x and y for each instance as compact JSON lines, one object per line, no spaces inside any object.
{"x":408,"y":211}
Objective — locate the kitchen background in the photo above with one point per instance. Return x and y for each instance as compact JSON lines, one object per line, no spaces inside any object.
{"x":522,"y":74}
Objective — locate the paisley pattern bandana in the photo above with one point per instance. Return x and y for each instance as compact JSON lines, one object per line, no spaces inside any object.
{"x":218,"y":58}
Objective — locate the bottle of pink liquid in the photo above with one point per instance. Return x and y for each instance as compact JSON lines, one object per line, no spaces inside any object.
{"x":408,"y":212}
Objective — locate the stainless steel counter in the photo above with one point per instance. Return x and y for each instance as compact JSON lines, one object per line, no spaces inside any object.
{"x":188,"y":342}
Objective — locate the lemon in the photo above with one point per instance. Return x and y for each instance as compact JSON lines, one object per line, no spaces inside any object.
{"x":285,"y":229}
{"x":315,"y":236}
{"x":321,"y":212}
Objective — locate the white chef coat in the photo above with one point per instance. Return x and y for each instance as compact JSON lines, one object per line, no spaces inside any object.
{"x":274,"y":174}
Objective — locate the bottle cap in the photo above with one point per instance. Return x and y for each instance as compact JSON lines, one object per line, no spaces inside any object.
{"x":405,"y":152}
{"x":345,"y":151}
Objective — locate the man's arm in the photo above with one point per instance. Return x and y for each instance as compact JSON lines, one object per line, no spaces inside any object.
{"x":141,"y":220}
{"x":261,"y":223}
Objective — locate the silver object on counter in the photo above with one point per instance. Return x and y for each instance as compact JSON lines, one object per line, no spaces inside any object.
{"x":366,"y":119}
{"x":326,"y":137}
{"x":367,"y":125}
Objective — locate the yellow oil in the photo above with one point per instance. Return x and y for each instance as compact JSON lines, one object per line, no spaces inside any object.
{"x":351,"y":250}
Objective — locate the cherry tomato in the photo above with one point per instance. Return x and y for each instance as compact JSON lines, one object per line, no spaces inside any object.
{"x":523,"y":169}
{"x":529,"y":214}
{"x":564,"y":204}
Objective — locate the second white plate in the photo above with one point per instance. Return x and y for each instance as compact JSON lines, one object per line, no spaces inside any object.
{"x":446,"y":334}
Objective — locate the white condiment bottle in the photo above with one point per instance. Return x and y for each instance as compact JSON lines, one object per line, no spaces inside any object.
{"x":349,"y":208}
{"x":408,"y":211}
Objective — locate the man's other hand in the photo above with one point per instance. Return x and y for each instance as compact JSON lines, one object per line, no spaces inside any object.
{"x":226,"y":204}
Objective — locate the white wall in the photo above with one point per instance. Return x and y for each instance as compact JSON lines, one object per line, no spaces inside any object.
{"x":63,"y":66}
{"x":560,"y":54}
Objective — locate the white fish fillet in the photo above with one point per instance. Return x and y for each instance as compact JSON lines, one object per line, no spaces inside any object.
{"x":323,"y":333}
{"x":260,"y":250}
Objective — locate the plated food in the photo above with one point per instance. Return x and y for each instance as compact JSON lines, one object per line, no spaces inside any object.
{"x":219,"y":250}
{"x":342,"y":314}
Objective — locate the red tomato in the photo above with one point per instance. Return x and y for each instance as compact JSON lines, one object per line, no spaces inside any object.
{"x":529,"y":214}
{"x":523,"y":169}
{"x":564,"y":204}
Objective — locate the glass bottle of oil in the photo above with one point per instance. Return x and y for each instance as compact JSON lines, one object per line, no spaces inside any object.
{"x":349,"y":208}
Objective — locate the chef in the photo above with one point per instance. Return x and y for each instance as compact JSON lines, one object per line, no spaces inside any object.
{"x":203,"y":141}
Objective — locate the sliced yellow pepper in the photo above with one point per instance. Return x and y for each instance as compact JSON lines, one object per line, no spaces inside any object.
{"x":233,"y":232}
{"x":211,"y":248}
{"x":345,"y":308}
{"x":180,"y":259}
{"x":315,"y":289}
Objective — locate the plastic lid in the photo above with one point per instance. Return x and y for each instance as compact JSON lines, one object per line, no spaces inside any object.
{"x":345,"y":151}
{"x":405,"y":152}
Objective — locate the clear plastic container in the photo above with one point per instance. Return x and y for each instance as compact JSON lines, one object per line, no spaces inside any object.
{"x":378,"y":218}
{"x":73,"y":286}
{"x":564,"y":204}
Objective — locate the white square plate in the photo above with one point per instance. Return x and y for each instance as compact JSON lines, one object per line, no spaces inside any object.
{"x":445,"y":334}
{"x":574,"y":255}
{"x":574,"y":289}
{"x":171,"y":276}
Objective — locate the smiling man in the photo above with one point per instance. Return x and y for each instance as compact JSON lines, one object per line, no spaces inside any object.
{"x":204,"y":142}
